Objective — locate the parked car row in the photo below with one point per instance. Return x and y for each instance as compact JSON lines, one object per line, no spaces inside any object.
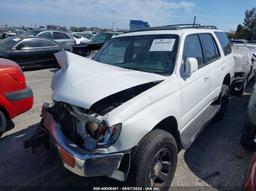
{"x":90,"y":48}
{"x":36,"y":48}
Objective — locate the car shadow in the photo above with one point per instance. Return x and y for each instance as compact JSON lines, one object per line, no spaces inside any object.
{"x":23,"y":169}
{"x":217,"y":156}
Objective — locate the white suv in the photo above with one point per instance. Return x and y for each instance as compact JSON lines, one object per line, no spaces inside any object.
{"x":145,"y":95}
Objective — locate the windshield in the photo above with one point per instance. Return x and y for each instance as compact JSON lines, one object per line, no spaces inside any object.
{"x":9,"y":43}
{"x":101,"y":38}
{"x":151,"y":53}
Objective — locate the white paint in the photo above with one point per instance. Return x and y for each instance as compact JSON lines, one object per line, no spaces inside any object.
{"x":83,"y":82}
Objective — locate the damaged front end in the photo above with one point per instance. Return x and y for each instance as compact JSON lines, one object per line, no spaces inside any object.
{"x":81,"y":125}
{"x":85,"y":128}
{"x":80,"y":137}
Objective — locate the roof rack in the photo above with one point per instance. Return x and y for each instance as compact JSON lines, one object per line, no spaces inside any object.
{"x":176,"y":27}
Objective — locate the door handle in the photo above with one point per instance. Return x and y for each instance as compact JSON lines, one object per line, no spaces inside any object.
{"x":206,"y":78}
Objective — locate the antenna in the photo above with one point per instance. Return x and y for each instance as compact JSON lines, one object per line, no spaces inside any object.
{"x":194,"y":22}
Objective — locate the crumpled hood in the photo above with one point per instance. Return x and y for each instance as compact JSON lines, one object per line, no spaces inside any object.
{"x":83,"y":82}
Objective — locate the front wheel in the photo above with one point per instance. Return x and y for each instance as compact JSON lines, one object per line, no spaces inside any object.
{"x":155,"y":160}
{"x":3,"y":123}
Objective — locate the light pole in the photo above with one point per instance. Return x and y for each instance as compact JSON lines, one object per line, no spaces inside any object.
{"x":113,"y":22}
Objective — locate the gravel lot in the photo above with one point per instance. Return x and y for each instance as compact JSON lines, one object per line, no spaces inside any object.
{"x":216,"y":161}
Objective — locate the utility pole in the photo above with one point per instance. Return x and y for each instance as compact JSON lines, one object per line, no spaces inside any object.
{"x":113,"y":22}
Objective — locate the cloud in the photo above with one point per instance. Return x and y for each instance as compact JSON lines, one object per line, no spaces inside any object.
{"x":98,"y":12}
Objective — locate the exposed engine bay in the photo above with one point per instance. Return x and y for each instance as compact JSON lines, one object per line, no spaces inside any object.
{"x":84,"y":128}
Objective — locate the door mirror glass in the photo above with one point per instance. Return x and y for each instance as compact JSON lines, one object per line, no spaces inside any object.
{"x":191,"y":66}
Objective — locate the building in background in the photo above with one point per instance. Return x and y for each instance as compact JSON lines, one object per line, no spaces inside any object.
{"x":138,"y":24}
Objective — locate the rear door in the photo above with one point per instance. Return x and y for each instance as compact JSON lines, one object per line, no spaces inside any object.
{"x":214,"y":65}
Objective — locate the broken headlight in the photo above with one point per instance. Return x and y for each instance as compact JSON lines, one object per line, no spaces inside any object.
{"x":101,"y":134}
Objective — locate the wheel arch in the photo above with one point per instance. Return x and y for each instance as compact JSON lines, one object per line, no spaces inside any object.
{"x":227,"y":80}
{"x":170,"y":125}
{"x":5,"y":112}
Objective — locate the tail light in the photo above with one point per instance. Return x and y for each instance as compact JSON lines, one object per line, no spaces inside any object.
{"x":18,"y":76}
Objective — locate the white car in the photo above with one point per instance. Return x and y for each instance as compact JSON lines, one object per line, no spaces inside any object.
{"x":145,"y":95}
{"x":245,"y":67}
{"x":80,"y":39}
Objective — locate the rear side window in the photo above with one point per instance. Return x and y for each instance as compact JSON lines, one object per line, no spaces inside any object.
{"x":192,"y":48}
{"x":210,"y":49}
{"x":58,"y":35}
{"x":46,"y":43}
{"x":35,"y":43}
{"x":46,"y":35}
{"x":66,"y":36}
{"x":225,"y":43}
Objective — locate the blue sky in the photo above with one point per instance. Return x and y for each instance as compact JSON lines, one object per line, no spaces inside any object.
{"x":226,"y":14}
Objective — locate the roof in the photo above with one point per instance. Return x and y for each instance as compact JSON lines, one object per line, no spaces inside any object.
{"x":177,"y":27}
{"x":168,"y":31}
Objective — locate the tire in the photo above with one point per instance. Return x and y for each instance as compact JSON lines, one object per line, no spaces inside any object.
{"x":247,"y":138}
{"x":157,"y":148}
{"x":240,"y":91}
{"x":3,"y":123}
{"x":223,"y":101}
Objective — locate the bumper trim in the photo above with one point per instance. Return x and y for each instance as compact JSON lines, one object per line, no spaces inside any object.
{"x":19,"y":95}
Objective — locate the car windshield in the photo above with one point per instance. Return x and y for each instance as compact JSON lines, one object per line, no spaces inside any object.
{"x":9,"y":43}
{"x":150,"y":53}
{"x":101,"y":38}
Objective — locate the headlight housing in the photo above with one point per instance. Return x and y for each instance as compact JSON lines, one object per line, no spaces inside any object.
{"x":101,"y":134}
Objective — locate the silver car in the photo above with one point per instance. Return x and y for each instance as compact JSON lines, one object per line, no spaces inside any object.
{"x":63,"y":38}
{"x":248,"y":139}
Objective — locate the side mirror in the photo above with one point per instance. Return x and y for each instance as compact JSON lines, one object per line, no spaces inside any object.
{"x":191,"y":66}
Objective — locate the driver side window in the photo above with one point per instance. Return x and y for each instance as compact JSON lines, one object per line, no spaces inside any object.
{"x":192,"y":48}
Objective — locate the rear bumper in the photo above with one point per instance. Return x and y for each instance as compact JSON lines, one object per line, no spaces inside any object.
{"x":77,"y":160}
{"x":19,"y":95}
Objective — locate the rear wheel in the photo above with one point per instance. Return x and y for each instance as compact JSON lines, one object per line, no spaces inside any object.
{"x":240,"y":90}
{"x":3,"y":123}
{"x":155,"y":160}
{"x":223,"y":101}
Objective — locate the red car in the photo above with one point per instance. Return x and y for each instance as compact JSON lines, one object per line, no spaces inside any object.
{"x":15,"y":96}
{"x":250,"y":179}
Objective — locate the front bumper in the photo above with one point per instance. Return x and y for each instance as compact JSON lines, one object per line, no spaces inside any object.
{"x":77,"y":160}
